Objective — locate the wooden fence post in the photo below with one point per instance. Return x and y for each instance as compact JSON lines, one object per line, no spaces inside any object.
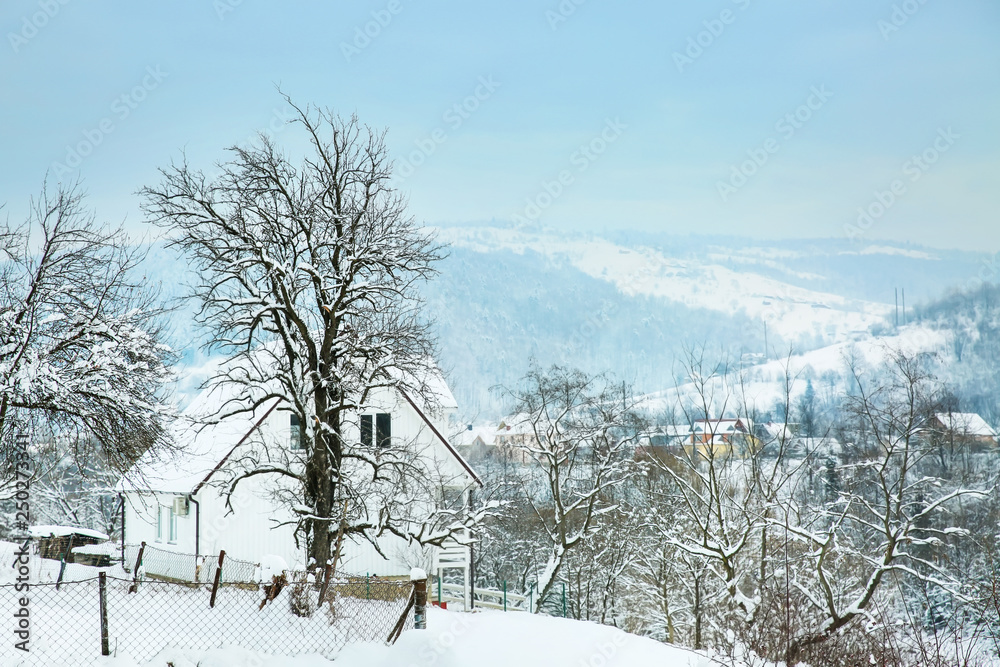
{"x":332,"y":567}
{"x":103,"y":586}
{"x":419,"y":579}
{"x":327,"y":573}
{"x":218,"y":578}
{"x":135,"y":573}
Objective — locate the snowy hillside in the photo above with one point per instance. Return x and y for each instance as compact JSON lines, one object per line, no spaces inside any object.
{"x":630,"y":302}
{"x":705,"y":283}
{"x":757,"y":389}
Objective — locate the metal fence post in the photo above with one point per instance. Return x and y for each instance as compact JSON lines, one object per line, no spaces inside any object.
{"x":218,"y":578}
{"x":505,"y":595}
{"x":419,"y":599}
{"x":103,"y":587}
{"x":564,"y":598}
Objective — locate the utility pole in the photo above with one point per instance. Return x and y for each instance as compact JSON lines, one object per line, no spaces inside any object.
{"x":897,"y":307}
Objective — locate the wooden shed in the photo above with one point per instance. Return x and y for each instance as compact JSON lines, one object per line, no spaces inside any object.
{"x":57,"y":542}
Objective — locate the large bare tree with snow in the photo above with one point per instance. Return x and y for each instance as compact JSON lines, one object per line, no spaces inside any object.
{"x":309,"y":270}
{"x":81,"y":362}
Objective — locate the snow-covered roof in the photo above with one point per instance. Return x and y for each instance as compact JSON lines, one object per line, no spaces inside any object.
{"x":104,"y":548}
{"x":724,"y":425}
{"x":820,"y":446}
{"x":437,"y":390}
{"x":206,"y":446}
{"x":777,"y":430}
{"x":966,"y":423}
{"x":65,"y":531}
{"x":519,"y":424}
{"x":485,"y":432}
{"x":677,"y":430}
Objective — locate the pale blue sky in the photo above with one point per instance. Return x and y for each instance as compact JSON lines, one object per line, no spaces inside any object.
{"x":672,"y":133}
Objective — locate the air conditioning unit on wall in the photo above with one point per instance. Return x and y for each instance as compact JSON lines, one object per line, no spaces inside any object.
{"x":180,"y":505}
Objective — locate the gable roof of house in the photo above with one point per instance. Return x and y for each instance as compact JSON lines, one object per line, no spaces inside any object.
{"x":966,"y":423}
{"x":208,"y":445}
{"x":485,"y":433}
{"x":722,"y":425}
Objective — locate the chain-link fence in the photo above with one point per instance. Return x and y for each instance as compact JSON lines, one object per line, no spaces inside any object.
{"x":64,"y":625}
{"x":174,"y":566}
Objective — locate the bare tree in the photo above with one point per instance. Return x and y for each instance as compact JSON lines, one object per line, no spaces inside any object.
{"x":582,"y":431}
{"x":309,"y":275}
{"x":885,"y":519}
{"x":81,"y":360}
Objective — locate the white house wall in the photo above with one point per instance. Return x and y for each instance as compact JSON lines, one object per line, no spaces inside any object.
{"x":360,"y":558}
{"x":249,"y":532}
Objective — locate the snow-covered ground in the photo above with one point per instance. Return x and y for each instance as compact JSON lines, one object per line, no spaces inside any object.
{"x":453,"y":639}
{"x":482,"y":639}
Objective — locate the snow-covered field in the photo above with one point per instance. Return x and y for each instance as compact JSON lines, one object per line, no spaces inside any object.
{"x":160,"y":614}
{"x":453,"y":639}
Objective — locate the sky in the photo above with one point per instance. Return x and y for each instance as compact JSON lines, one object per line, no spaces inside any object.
{"x":870,"y":119}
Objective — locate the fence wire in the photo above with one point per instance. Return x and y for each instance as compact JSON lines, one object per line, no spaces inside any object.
{"x":174,"y":566}
{"x":65,"y":623}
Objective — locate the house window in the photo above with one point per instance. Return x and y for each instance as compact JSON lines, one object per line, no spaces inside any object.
{"x":381,"y":435}
{"x":297,"y":437}
{"x":366,"y":430}
{"x":166,"y":524}
{"x":383,"y":430}
{"x":172,"y":525}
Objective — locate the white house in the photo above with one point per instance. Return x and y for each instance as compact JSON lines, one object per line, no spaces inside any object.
{"x":176,"y":503}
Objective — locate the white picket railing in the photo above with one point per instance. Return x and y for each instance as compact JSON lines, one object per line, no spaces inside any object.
{"x":454,"y":594}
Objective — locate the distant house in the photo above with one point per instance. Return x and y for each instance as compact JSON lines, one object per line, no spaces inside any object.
{"x":514,"y":437}
{"x":776,"y":431}
{"x":664,"y":441}
{"x":721,"y":438}
{"x":962,"y":429}
{"x":476,"y":443}
{"x":176,"y":504}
